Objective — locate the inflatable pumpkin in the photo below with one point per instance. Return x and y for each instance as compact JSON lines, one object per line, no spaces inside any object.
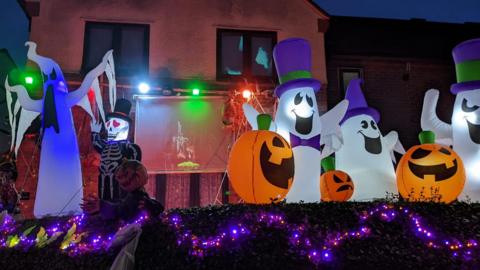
{"x":261,"y":166}
{"x":335,"y":185}
{"x":430,"y":172}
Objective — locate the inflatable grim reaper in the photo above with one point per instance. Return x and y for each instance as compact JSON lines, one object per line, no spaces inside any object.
{"x":59,"y":188}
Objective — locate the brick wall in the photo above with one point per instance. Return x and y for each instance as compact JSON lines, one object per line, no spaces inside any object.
{"x":399,"y":100}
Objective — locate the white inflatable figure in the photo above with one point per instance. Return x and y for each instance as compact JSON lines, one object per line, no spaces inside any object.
{"x":297,"y":118}
{"x":366,"y":155}
{"x":59,"y":188}
{"x":464,"y":132}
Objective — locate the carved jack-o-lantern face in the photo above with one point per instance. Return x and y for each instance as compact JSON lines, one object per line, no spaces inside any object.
{"x":430,"y":171}
{"x":335,"y":185}
{"x":261,"y":167}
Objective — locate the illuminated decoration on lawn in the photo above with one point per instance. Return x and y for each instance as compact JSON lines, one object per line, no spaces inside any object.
{"x":261,"y":165}
{"x":114,"y":150}
{"x":298,"y":120}
{"x":366,"y":155}
{"x":464,"y":132}
{"x":335,"y":185}
{"x":59,"y":188}
{"x":430,"y":172}
{"x":303,"y":237}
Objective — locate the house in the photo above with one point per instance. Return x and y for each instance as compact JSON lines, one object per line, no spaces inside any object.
{"x":399,"y":60}
{"x":221,"y":43}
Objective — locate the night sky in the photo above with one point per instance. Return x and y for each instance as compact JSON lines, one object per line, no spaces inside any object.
{"x":452,"y":11}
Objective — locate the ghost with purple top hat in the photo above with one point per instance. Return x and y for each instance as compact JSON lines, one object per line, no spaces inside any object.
{"x":298,"y":119}
{"x":464,"y":132}
{"x":366,"y":155}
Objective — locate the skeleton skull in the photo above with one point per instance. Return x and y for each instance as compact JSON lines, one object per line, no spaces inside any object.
{"x":117,"y":129}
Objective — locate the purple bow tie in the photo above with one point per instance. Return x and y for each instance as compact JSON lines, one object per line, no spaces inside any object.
{"x":313,"y":142}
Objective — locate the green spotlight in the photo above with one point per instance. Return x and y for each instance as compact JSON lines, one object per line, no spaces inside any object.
{"x":195,"y":91}
{"x":29,"y":80}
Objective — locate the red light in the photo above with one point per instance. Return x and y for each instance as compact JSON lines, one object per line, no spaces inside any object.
{"x":247,"y":94}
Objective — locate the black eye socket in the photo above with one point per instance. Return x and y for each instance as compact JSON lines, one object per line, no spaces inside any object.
{"x":309,"y":100}
{"x":349,"y":179}
{"x":445,"y":151}
{"x":466,"y":108}
{"x":420,"y":153}
{"x":364,"y":124}
{"x":374,"y":126}
{"x":337,"y":180}
{"x":277,"y":142}
{"x":298,"y":99}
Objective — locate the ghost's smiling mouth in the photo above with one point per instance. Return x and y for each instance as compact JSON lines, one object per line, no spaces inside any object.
{"x":474,"y":131}
{"x":372,"y":145}
{"x":303,"y":125}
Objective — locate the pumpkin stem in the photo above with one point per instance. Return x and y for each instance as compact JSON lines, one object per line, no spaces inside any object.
{"x":328,"y":164}
{"x":263,"y":121}
{"x":426,"y":137}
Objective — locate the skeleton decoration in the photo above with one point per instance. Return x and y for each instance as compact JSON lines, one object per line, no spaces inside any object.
{"x":297,"y":118}
{"x":114,"y":150}
{"x":464,"y":132}
{"x":59,"y":188}
{"x":366,"y":155}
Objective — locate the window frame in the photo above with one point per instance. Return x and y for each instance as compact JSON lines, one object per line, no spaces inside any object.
{"x":247,"y":55}
{"x":341,"y":70}
{"x":116,"y":29}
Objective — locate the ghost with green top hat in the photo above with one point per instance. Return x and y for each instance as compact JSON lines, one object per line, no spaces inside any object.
{"x":464,"y":131}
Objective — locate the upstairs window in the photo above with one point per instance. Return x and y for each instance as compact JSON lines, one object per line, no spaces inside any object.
{"x":348,"y":74}
{"x":245,"y":54}
{"x":128,"y":41}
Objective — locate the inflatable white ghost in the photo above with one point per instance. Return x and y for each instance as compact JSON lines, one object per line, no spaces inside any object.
{"x":464,"y":132}
{"x":366,"y":155}
{"x":59,"y":188}
{"x":297,"y":118}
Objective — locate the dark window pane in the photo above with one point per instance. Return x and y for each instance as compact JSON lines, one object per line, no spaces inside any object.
{"x":232,"y":54}
{"x":99,"y":42}
{"x":132,"y":50}
{"x":129,"y":42}
{"x":261,"y":56}
{"x":347,"y":76}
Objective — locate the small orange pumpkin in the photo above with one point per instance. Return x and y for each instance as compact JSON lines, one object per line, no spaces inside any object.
{"x":430,"y":172}
{"x":260,"y":166}
{"x":335,"y":185}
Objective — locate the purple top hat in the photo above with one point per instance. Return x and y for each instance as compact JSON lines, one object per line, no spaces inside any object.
{"x":357,"y":104}
{"x":293,"y":61}
{"x":467,"y":66}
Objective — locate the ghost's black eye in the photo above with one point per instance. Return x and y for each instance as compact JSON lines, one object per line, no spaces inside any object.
{"x":420,"y":153}
{"x":336,"y":179}
{"x":444,"y":151}
{"x":466,"y":108}
{"x":364,"y":124}
{"x":309,"y":101}
{"x":53,"y":75}
{"x":298,"y":99}
{"x":374,"y":126}
{"x":277,"y":142}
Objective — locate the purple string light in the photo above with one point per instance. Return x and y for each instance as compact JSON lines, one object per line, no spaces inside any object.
{"x":303,"y":238}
